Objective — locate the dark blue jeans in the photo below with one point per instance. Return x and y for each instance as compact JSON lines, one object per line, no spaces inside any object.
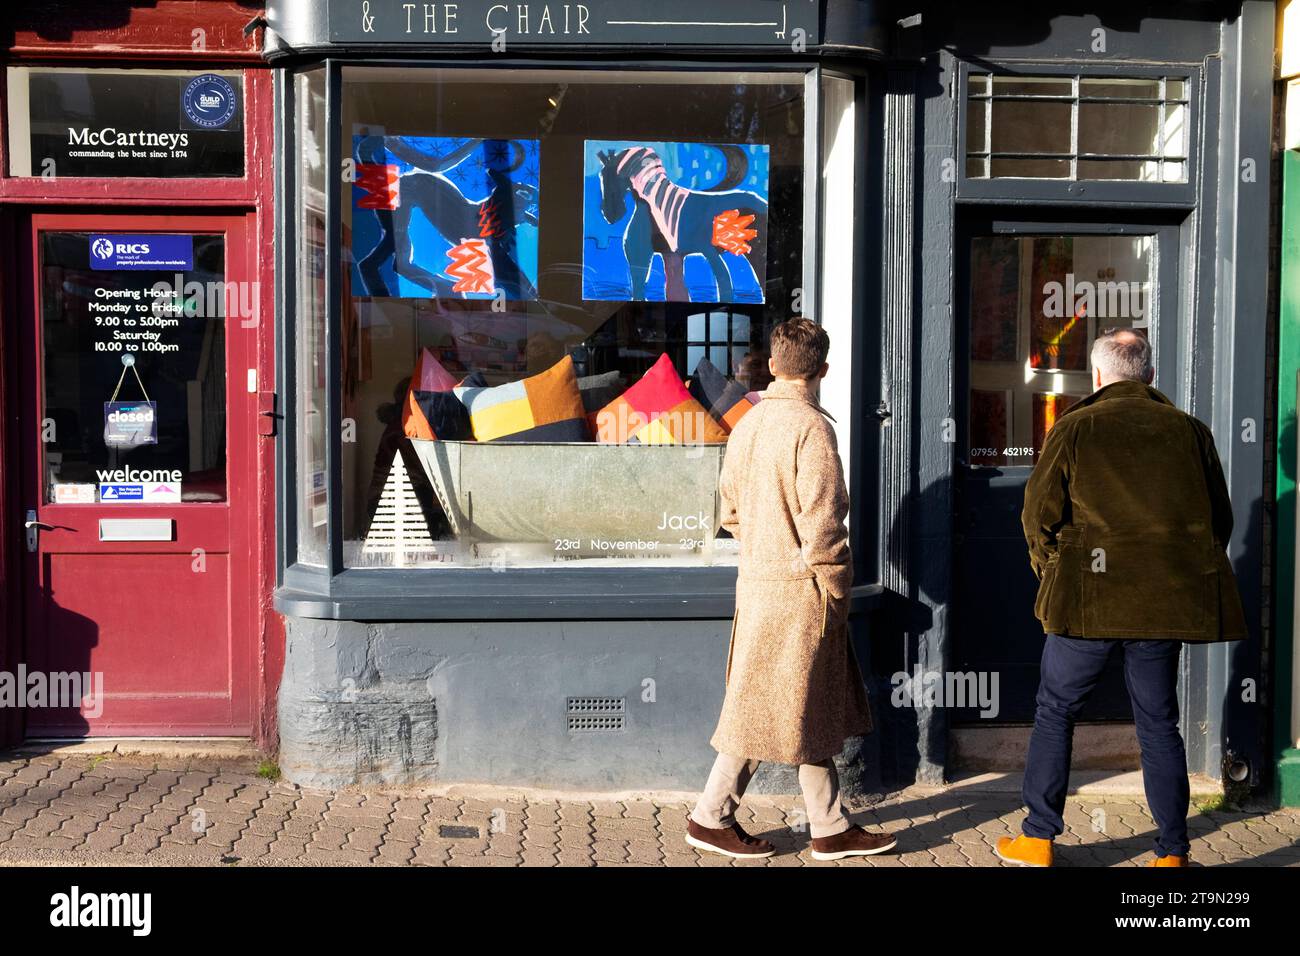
{"x":1071,"y":669}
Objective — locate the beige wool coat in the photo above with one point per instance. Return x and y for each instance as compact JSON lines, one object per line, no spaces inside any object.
{"x":794,"y":690}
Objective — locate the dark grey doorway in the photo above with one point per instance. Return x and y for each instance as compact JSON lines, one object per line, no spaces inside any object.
{"x":1033,"y":295}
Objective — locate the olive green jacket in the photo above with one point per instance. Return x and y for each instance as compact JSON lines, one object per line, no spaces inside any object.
{"x":1127,"y":516}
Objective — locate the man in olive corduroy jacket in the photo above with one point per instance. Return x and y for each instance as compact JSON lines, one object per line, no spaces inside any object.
{"x":1126,"y":516}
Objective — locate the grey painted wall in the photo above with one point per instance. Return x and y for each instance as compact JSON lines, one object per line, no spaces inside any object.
{"x":414,"y":703}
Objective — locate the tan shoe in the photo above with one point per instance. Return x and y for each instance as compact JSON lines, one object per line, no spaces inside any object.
{"x":1169,"y":861}
{"x":854,"y":841}
{"x":1025,"y":851}
{"x":730,"y":841}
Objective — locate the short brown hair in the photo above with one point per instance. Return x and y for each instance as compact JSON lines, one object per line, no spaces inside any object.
{"x":799,"y":348}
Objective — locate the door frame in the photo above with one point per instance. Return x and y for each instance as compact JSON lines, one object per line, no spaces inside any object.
{"x":1169,"y":311}
{"x":243,"y":485}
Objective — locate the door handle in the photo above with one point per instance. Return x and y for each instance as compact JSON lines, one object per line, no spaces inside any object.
{"x":34,"y":528}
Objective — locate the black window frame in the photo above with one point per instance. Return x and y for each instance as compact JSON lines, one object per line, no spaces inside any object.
{"x":1091,"y":192}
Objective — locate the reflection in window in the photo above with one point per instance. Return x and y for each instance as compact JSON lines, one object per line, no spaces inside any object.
{"x":1037,"y":304}
{"x":505,"y":226}
{"x":312,"y":511}
{"x":1077,"y":128}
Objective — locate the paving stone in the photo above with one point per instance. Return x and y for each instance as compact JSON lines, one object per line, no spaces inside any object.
{"x":117,"y":811}
{"x":409,"y":808}
{"x":288,"y":847}
{"x":329,"y":838}
{"x":252,"y":845}
{"x":396,"y":852}
{"x":574,"y":856}
{"x":537,"y":856}
{"x":141,"y":841}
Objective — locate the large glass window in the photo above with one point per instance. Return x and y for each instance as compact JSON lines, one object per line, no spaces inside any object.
{"x":559,"y":252}
{"x":1037,"y":305}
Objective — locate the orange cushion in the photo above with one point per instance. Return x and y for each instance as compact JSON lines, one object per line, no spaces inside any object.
{"x":546,"y":407}
{"x":657,"y":410}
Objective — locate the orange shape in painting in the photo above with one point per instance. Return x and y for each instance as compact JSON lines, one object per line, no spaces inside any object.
{"x":471,"y":266}
{"x":731,"y":232}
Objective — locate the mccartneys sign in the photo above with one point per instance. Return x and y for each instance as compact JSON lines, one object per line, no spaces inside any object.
{"x":781,"y":23}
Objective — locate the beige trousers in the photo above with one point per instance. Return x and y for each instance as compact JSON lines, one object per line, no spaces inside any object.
{"x":730,"y":776}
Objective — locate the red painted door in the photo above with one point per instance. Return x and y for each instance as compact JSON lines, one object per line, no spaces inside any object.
{"x":137,"y":380}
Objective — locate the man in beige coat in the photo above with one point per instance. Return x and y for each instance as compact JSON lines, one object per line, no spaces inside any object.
{"x":794,"y":692}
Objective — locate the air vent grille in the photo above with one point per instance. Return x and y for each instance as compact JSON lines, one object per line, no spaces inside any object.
{"x":587,"y":715}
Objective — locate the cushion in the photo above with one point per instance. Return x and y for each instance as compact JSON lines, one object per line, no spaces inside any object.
{"x":657,"y":410}
{"x":544,"y":407}
{"x":432,"y":410}
{"x":598,"y":391}
{"x":726,"y":399}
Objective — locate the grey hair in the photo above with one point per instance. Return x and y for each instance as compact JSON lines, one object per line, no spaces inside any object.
{"x":1122,"y":354}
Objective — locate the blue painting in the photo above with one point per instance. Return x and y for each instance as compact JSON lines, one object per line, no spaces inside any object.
{"x":674,"y":222}
{"x":445,"y":217}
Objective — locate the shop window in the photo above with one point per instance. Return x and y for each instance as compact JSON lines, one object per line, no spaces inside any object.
{"x":1077,"y":128}
{"x":559,"y":252}
{"x":309,"y":344}
{"x":1037,"y":303}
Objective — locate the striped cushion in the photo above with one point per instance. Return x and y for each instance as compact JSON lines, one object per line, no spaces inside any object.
{"x":657,"y":410}
{"x":545,"y":408}
{"x":726,"y":400}
{"x":431,"y":409}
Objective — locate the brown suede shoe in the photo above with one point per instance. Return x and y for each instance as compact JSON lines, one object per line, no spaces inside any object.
{"x":729,"y":841}
{"x":854,"y":841}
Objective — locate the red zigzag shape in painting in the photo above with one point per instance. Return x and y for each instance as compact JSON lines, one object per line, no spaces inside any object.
{"x":471,"y":267}
{"x":379,"y":184}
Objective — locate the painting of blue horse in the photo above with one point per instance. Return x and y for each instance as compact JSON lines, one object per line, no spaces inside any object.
{"x":445,"y":217}
{"x":674,"y":222}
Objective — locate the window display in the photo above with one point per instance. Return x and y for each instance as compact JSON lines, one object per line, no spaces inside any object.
{"x":557,"y":291}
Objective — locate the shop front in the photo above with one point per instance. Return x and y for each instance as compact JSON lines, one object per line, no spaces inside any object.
{"x":580,"y":224}
{"x":520,"y":243}
{"x":136,"y":504}
{"x":523,"y":261}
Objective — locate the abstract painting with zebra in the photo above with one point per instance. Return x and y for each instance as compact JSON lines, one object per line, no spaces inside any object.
{"x":674,"y":222}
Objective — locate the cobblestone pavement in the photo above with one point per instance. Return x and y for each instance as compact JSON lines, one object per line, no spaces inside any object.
{"x":120,"y":810}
